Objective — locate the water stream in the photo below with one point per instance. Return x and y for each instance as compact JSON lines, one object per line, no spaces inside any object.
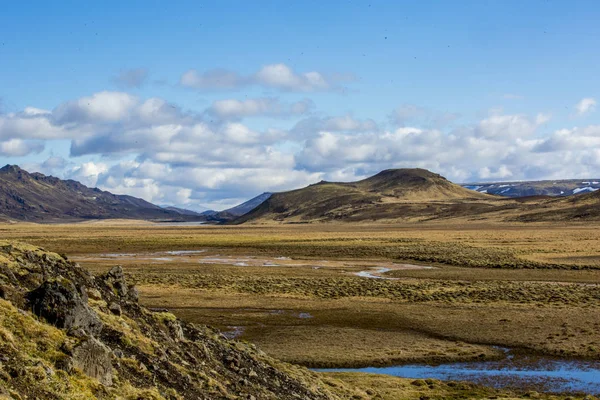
{"x":519,"y":372}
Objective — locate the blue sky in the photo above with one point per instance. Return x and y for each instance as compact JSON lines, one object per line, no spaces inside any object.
{"x":209,"y":104}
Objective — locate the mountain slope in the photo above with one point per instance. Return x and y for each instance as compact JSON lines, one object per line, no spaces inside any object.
{"x":414,"y":184}
{"x":249,"y":205}
{"x":391,"y":194}
{"x":65,"y":334}
{"x":579,"y":207}
{"x":40,"y":198}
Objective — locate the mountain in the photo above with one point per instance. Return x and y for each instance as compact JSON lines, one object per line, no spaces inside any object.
{"x":249,"y":205}
{"x":406,"y":194}
{"x":184,"y":211}
{"x":565,"y":187}
{"x":66,"y":334}
{"x":234,"y":212}
{"x":36,"y":197}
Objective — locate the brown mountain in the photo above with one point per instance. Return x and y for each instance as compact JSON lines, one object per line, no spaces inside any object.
{"x":394,"y":194}
{"x":36,"y":197}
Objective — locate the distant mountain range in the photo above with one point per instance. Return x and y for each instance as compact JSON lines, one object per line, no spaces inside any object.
{"x":39,"y":198}
{"x":183,"y":211}
{"x":565,"y":187}
{"x":391,"y":195}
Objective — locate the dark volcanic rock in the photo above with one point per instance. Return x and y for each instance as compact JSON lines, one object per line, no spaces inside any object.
{"x":59,"y":303}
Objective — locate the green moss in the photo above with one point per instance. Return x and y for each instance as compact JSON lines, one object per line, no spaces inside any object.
{"x":164,"y":317}
{"x":129,"y":329}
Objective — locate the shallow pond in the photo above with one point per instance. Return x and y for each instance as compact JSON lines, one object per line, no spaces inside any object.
{"x":515,"y":372}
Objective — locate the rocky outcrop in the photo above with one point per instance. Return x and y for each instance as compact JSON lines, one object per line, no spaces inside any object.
{"x":63,"y":306}
{"x":67,"y":334}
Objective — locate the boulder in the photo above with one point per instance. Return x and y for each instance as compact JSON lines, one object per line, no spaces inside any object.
{"x":61,"y":304}
{"x":116,"y":279}
{"x":94,"y":359}
{"x":115,"y":308}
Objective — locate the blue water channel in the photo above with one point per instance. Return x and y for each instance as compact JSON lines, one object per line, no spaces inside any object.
{"x":514,"y":372}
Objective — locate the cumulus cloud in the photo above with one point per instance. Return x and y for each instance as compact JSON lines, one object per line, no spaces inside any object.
{"x":87,"y":173}
{"x":31,"y":123}
{"x":508,"y":126}
{"x":154,"y":149}
{"x":502,"y":172}
{"x":91,"y":116}
{"x":480,"y":151}
{"x":214,"y":79}
{"x":131,"y":78}
{"x":585,"y":106}
{"x":347,"y":123}
{"x":19,"y":148}
{"x":280,"y":76}
{"x":198,"y":187}
{"x":272,"y":76}
{"x":575,"y":139}
{"x":100,"y":107}
{"x":264,"y":107}
{"x":54,"y":163}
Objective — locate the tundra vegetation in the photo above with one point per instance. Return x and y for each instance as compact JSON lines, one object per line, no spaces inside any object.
{"x":292,"y":291}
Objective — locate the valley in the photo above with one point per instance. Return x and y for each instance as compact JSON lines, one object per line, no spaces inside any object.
{"x":299,"y":292}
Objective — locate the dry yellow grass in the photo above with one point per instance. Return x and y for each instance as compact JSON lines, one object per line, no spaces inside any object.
{"x":525,"y":286}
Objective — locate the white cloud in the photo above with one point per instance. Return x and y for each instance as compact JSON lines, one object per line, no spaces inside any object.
{"x":309,"y":127}
{"x":501,"y":172}
{"x":19,"y":148}
{"x":198,"y":187}
{"x":216,"y":79}
{"x":54,"y":163}
{"x":87,"y":173}
{"x":272,"y":76}
{"x":497,"y":147}
{"x":32,"y":111}
{"x":192,"y":158}
{"x":280,"y":76}
{"x":272,"y":107}
{"x":508,"y":126}
{"x":585,"y":106}
{"x":575,"y":139}
{"x":100,"y":107}
{"x":30,"y":124}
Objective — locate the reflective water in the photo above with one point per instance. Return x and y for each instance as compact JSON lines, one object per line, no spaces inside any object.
{"x":517,"y":372}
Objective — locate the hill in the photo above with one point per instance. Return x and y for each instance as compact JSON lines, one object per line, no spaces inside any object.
{"x":564,"y":187}
{"x":66,"y":334}
{"x":36,"y":197}
{"x":406,"y":194}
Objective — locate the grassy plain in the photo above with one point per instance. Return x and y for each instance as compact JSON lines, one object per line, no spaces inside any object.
{"x":526,"y":286}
